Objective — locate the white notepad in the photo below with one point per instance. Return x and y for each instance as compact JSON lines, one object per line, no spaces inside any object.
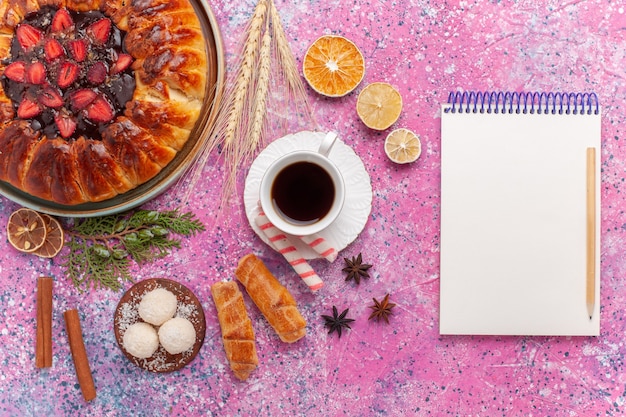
{"x":514,"y":207}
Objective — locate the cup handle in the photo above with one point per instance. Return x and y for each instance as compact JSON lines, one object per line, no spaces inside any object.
{"x":327,"y":143}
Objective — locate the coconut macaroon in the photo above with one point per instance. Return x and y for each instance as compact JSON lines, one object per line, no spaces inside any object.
{"x":158,"y":306}
{"x":141,"y":340}
{"x":177,"y":335}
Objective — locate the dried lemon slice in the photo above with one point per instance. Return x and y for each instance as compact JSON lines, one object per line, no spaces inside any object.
{"x":403,"y":146}
{"x":55,"y":238}
{"x":26,"y":230}
{"x":379,"y":105}
{"x":333,"y":66}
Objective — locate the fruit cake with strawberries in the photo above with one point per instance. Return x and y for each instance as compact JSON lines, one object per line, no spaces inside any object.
{"x":96,"y":96}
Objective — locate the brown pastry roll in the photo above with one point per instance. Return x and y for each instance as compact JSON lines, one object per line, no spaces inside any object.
{"x":237,"y":332}
{"x":272,"y":298}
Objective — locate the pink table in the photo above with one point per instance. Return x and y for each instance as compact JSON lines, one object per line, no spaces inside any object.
{"x":425,"y":49}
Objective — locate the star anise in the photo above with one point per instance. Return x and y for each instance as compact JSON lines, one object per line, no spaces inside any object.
{"x":356,"y":269}
{"x":381,"y":310}
{"x":337,"y":322}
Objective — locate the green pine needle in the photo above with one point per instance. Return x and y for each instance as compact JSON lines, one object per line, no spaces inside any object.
{"x":101,"y":248}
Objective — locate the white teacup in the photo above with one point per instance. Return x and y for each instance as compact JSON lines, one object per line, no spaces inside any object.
{"x":303,"y":191}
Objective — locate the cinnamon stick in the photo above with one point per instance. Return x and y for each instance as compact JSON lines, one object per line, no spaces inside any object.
{"x":79,"y":354}
{"x":43,"y":343}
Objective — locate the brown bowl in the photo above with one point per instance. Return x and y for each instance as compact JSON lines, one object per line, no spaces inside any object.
{"x":181,"y":162}
{"x":127,"y":314}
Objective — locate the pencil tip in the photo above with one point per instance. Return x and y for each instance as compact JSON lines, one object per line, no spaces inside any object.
{"x":590,"y":318}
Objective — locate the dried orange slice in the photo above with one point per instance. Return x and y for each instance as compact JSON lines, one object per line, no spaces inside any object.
{"x":403,"y":146}
{"x":26,"y":230}
{"x":55,"y":238}
{"x":379,"y":105}
{"x":333,"y":66}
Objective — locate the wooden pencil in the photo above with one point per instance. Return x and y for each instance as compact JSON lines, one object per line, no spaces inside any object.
{"x":591,"y":231}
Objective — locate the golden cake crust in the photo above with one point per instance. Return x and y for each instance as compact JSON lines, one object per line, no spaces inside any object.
{"x":166,"y":42}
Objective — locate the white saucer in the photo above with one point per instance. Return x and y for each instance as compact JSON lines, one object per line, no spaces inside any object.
{"x":358,"y":201}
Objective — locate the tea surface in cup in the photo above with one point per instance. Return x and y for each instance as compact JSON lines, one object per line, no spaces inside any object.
{"x":309,"y":193}
{"x":303,"y":193}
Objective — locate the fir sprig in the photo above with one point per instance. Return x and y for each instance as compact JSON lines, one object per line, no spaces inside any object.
{"x":101,"y":248}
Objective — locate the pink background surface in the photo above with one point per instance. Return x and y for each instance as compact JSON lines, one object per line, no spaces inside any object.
{"x":425,"y":49}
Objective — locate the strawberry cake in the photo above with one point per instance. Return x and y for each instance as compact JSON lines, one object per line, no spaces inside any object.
{"x":96,"y":96}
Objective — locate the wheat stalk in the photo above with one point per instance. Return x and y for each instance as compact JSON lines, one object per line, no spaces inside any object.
{"x":244,"y":75}
{"x":262,"y":87}
{"x":296,"y":92}
{"x":231,"y":109}
{"x":234,"y":142}
{"x":241,"y":123}
{"x":236,"y":122}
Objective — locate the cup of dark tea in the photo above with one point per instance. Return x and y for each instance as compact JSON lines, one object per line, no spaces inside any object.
{"x":302,"y":192}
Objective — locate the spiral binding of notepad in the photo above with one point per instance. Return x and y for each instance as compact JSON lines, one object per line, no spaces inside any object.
{"x":506,"y":102}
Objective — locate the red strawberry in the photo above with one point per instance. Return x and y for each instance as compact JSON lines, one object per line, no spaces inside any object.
{"x":78,"y":47}
{"x":16,"y":71}
{"x":28,"y":36}
{"x":100,"y":110}
{"x":66,"y":124}
{"x":36,"y":73}
{"x":82,"y":98}
{"x":53,"y":50}
{"x":123,"y":62}
{"x":61,"y":21}
{"x":97,"y":74}
{"x":100,"y":30}
{"x":67,"y":74}
{"x":28,"y":109}
{"x":50,"y":97}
